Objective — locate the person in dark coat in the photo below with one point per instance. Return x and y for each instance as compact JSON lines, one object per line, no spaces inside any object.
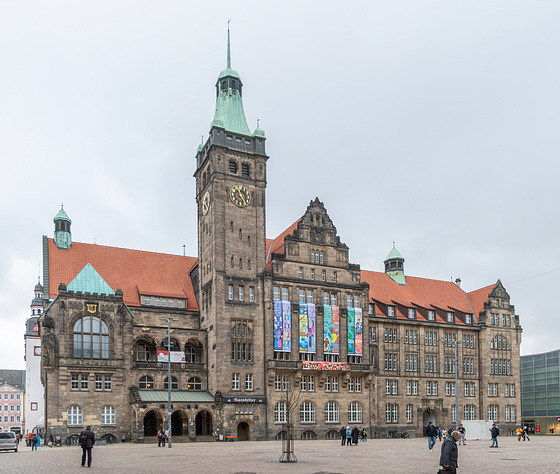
{"x":343,"y":436}
{"x":450,"y":453}
{"x":430,"y":433}
{"x":355,"y":435}
{"x":495,"y":433}
{"x":87,"y":440}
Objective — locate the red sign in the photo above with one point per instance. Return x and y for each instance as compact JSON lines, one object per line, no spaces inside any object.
{"x":537,"y":428}
{"x":312,"y":365}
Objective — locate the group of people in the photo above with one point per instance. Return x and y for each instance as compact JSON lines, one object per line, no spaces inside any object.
{"x":522,"y":433}
{"x":350,"y":437}
{"x":161,"y":438}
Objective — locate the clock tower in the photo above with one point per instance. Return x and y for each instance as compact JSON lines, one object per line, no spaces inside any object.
{"x":230,"y":194}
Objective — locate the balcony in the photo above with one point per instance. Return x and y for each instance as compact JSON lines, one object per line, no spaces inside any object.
{"x":284,"y":364}
{"x":175,"y":367}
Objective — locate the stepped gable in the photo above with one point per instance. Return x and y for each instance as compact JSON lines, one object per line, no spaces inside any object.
{"x":480,"y":296}
{"x":135,"y":272}
{"x":419,"y":293}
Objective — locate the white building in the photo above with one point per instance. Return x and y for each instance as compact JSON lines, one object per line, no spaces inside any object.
{"x":34,"y":399}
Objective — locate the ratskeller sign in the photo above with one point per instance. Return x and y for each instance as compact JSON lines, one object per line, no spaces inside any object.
{"x":244,"y":398}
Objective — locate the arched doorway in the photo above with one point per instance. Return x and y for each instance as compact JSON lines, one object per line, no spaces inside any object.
{"x":429,"y":415}
{"x":203,"y":423}
{"x":243,"y":431}
{"x":152,"y":423}
{"x":179,"y":424}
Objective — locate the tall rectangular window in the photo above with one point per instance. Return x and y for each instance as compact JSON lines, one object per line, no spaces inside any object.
{"x":248,"y":381}
{"x":230,"y":292}
{"x":251,"y":294}
{"x":235,"y":382}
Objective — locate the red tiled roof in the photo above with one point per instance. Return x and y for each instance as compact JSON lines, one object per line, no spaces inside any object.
{"x":277,"y":244}
{"x":479,"y":297}
{"x":418,"y":292}
{"x":133,"y":271}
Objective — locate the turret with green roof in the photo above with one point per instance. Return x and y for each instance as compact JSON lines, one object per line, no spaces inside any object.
{"x":62,"y":234}
{"x":394,"y":266}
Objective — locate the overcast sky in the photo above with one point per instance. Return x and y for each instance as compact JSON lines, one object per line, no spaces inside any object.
{"x":431,"y":123}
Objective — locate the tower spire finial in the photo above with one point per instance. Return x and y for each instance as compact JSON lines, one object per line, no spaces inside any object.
{"x":228,"y":49}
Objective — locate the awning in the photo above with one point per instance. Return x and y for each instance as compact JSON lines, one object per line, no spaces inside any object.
{"x":176,"y":396}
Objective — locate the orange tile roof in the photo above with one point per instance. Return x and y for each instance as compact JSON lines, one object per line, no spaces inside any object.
{"x":135,"y":272}
{"x":418,"y":292}
{"x":277,"y":244}
{"x":479,"y":297}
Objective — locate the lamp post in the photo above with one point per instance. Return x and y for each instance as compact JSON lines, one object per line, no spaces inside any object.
{"x":169,"y":377}
{"x":456,"y":388}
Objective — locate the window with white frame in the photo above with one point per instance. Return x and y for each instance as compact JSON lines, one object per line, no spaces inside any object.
{"x":409,"y":413}
{"x":354,"y":412}
{"x":450,"y":388}
{"x":493,"y":413}
{"x":280,"y":412}
{"x":453,"y":413}
{"x":450,"y":317}
{"x":251,"y":294}
{"x":411,"y":313}
{"x":230,"y":292}
{"x":108,"y":416}
{"x":431,"y":315}
{"x":331,"y":383}
{"x":391,"y":311}
{"x":411,"y":363}
{"x":248,"y":381}
{"x":235,"y":381}
{"x":307,"y":412}
{"x":331,"y":412}
{"x":307,"y":383}
{"x":74,"y":416}
{"x":391,"y":413}
{"x":370,"y":309}
{"x":391,"y":361}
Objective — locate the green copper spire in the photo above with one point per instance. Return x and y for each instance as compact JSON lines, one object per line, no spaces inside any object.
{"x":394,"y":266}
{"x":229,"y":113}
{"x":62,"y":234}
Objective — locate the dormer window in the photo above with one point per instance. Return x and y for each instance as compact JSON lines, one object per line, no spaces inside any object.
{"x":391,"y":311}
{"x":431,"y":315}
{"x":468,"y":318}
{"x":450,"y":317}
{"x":411,"y":313}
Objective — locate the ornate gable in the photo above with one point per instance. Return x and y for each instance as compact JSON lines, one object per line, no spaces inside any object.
{"x":499,"y":291}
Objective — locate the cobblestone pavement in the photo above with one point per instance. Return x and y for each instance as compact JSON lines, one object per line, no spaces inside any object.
{"x":383,"y":456}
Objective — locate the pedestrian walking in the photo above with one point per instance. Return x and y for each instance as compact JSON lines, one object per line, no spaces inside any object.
{"x":430,"y":433}
{"x":29,"y":436}
{"x":462,"y":432}
{"x":51,"y":440}
{"x":163,"y":438}
{"x":364,"y":435}
{"x":448,"y":459}
{"x":526,"y":433}
{"x":495,"y":431}
{"x":355,"y":435}
{"x":158,"y":436}
{"x":34,"y":442}
{"x":87,"y":440}
{"x":519,"y":433}
{"x":343,"y":436}
{"x":348,"y":436}
{"x":439,"y":432}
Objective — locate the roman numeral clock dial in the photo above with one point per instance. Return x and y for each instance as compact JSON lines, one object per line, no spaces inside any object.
{"x":240,"y":195}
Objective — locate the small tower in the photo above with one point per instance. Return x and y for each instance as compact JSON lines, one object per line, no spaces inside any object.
{"x":62,"y":234}
{"x":394,"y":266}
{"x":37,"y":302}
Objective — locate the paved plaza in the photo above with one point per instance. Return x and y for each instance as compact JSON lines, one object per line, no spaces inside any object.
{"x":383,"y":456}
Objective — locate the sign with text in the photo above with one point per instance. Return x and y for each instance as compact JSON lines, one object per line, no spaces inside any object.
{"x":176,"y":356}
{"x":244,"y":398}
{"x":312,"y":365}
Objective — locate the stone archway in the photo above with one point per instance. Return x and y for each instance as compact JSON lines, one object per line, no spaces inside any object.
{"x":152,"y":423}
{"x":243,"y":431}
{"x":179,"y":423}
{"x":427,"y":416}
{"x":203,"y":423}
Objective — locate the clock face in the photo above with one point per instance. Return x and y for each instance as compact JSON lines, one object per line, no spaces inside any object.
{"x":240,"y":195}
{"x":37,"y":350}
{"x":206,"y":203}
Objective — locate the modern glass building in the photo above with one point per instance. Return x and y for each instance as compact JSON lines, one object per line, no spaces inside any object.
{"x":540,"y":392}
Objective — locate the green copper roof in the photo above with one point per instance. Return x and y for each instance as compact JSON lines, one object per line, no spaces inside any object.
{"x":259,"y":132}
{"x":229,"y":112}
{"x":394,"y":253}
{"x":89,"y":281}
{"x":176,"y":396}
{"x":397,"y":276}
{"x":61,"y":216}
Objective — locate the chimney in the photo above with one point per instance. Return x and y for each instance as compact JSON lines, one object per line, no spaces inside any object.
{"x":458,"y":282}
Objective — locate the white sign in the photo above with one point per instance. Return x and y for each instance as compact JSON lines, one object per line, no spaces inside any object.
{"x":176,"y":356}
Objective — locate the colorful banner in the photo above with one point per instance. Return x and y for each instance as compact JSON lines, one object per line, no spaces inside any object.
{"x":278,"y":325}
{"x":312,"y":365}
{"x":358,"y":331}
{"x":351,"y":326}
{"x":176,"y":356}
{"x":331,"y":320}
{"x":287,"y":322}
{"x":307,"y":328}
{"x":312,"y":347}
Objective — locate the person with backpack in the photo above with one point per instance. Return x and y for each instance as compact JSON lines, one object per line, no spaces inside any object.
{"x":87,"y":440}
{"x":495,"y":431}
{"x":34,"y":442}
{"x":364,"y":435}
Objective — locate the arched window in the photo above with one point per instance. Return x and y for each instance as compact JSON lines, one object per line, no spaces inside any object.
{"x":145,"y":351}
{"x":313,"y":256}
{"x":354,"y":412}
{"x":193,"y":352}
{"x":332,"y":412}
{"x":146,"y":383}
{"x":194,"y":384}
{"x":280,"y":412}
{"x":91,"y":338}
{"x":108,"y":416}
{"x":307,"y":413}
{"x":75,"y":416}
{"x":308,"y":435}
{"x":174,"y":383}
{"x":332,"y":434}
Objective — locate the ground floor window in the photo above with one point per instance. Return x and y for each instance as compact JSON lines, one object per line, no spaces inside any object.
{"x":75,"y":416}
{"x":108,"y":416}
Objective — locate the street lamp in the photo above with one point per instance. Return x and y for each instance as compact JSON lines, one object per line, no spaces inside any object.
{"x":169,"y":376}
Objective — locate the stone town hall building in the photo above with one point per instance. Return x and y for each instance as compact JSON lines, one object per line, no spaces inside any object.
{"x":270,"y":329}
